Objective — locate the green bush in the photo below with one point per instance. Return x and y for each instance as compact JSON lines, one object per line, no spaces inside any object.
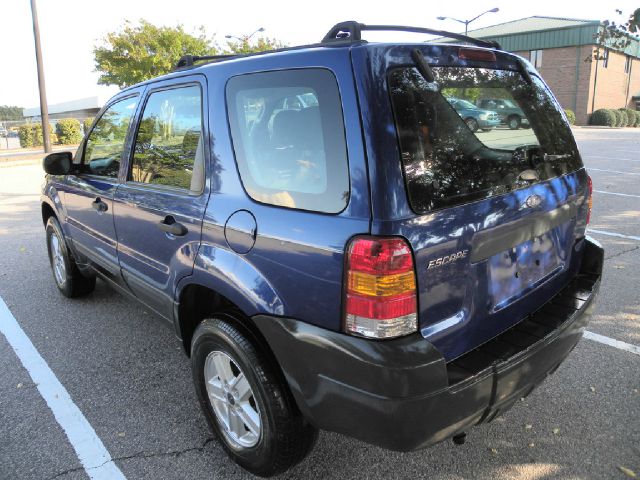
{"x":30,"y":135}
{"x":635,"y":115}
{"x":618,"y":115}
{"x":86,"y":123}
{"x":631,"y":116}
{"x":68,"y":131}
{"x":571,"y":117}
{"x":25,"y":134}
{"x":38,"y":139}
{"x":625,"y":118}
{"x":603,"y":117}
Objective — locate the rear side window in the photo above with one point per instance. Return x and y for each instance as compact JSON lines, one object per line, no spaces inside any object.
{"x":168,"y":146}
{"x":105,"y":144}
{"x":288,"y":136}
{"x":458,"y":140}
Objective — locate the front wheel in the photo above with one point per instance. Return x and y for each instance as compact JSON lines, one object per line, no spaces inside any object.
{"x":472,"y":123}
{"x":70,"y":281}
{"x":246,"y":401}
{"x":514,"y":122}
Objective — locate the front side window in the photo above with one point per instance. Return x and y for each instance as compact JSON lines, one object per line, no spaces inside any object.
{"x":168,"y":146}
{"x":288,"y":136}
{"x":105,"y":144}
{"x":449,"y":161}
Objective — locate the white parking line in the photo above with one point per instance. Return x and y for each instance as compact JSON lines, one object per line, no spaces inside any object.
{"x":612,"y":342}
{"x":613,"y":234}
{"x":90,"y":450}
{"x":619,"y":194}
{"x":611,"y":171}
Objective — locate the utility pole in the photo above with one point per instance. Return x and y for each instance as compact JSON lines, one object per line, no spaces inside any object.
{"x":44,"y":110}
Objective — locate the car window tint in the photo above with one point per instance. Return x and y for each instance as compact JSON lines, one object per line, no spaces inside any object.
{"x":288,"y":137}
{"x":105,"y":144}
{"x":453,"y":156}
{"x":168,"y":145}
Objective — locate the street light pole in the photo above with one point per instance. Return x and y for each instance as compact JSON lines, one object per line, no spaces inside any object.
{"x":44,"y":110}
{"x":467,"y":22}
{"x":245,"y":38}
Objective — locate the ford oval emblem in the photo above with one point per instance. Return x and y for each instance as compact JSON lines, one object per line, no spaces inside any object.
{"x":533,"y":201}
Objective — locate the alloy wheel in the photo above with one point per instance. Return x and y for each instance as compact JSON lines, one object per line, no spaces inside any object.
{"x":232,"y":400}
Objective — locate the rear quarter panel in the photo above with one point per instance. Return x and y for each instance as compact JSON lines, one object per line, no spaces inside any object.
{"x":296,"y":265}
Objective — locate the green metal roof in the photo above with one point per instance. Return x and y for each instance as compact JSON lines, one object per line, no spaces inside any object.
{"x":533,"y":24}
{"x":537,"y":33}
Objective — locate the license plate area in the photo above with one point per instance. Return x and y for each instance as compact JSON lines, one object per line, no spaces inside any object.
{"x":522,"y":268}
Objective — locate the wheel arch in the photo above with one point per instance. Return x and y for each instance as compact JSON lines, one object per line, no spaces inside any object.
{"x":47,"y":211}
{"x":198,"y":302}
{"x":227,"y":279}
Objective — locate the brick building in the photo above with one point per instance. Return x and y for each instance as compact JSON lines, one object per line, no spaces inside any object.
{"x":558,"y":48}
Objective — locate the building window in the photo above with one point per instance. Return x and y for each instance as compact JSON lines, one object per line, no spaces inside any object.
{"x":627,"y":64}
{"x":605,"y":58}
{"x":536,"y":58}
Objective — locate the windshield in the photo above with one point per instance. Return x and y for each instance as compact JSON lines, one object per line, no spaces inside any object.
{"x":450,"y":159}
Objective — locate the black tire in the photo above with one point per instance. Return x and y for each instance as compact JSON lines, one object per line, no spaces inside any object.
{"x":513,"y":122}
{"x":472,"y":123}
{"x":487,"y":129}
{"x":286,"y":437}
{"x":71,"y":282}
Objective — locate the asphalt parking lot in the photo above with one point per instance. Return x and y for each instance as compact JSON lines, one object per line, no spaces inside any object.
{"x":127,"y":375}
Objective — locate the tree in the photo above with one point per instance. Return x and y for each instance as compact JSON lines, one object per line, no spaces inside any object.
{"x":140,"y":52}
{"x":262,"y":44}
{"x":616,"y":35}
{"x":633,"y":24}
{"x":10,"y":113}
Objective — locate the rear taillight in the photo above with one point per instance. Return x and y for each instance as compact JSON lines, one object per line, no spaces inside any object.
{"x":590,"y":200}
{"x":380,"y":291}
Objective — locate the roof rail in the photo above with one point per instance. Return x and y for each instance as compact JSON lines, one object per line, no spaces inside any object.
{"x":187,"y":61}
{"x":351,"y":32}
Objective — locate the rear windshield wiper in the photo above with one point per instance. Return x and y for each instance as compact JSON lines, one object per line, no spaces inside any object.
{"x":423,"y":66}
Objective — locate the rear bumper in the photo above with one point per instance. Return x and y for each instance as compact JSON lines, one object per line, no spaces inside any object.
{"x":402,"y":395}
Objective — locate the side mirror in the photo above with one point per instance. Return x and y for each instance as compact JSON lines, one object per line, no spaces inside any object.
{"x":57,"y":163}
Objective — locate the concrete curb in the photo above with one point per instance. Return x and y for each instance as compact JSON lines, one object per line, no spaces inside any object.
{"x":601,"y":127}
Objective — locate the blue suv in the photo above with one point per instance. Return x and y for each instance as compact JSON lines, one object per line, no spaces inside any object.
{"x":475,"y":118}
{"x":332,"y":244}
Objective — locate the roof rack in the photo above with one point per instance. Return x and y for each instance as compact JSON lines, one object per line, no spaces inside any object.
{"x":343,"y":33}
{"x":351,"y":32}
{"x":190,"y":60}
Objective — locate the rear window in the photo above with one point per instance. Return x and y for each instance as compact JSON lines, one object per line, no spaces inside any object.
{"x":288,"y":137}
{"x":455,"y":150}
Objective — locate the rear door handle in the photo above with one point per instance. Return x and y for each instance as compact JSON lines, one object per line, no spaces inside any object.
{"x":99,"y":205}
{"x":169,"y":225}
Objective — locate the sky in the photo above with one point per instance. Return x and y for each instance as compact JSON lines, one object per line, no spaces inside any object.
{"x":69,"y":29}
